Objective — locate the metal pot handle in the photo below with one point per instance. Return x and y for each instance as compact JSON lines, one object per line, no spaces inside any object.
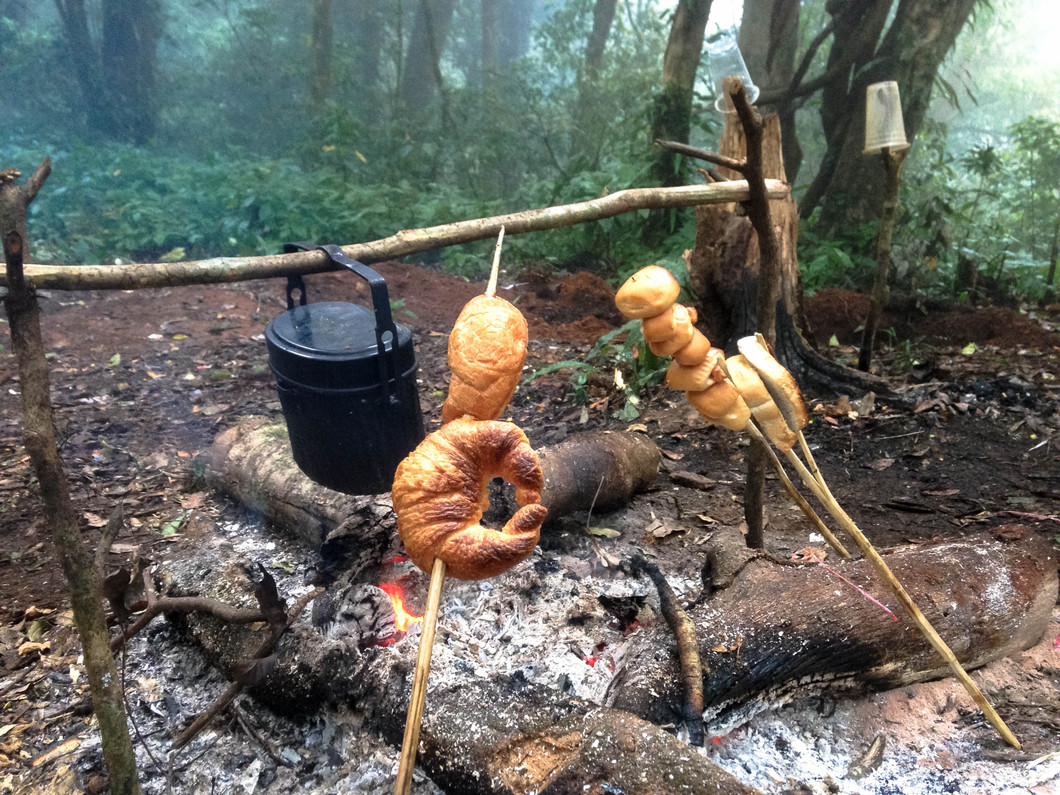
{"x":384,"y":321}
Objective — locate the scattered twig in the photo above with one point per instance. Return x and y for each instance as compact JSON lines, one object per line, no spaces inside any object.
{"x":684,"y":630}
{"x":247,"y":724}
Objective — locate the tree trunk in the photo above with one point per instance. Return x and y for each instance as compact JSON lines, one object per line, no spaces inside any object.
{"x":491,"y":46}
{"x":320,"y":56}
{"x":724,"y":271}
{"x":362,"y":23}
{"x":672,"y":106}
{"x":83,"y":56}
{"x":587,"y":116}
{"x":422,"y":76}
{"x":131,"y":30}
{"x":769,"y":34}
{"x":772,"y":627}
{"x":60,"y":515}
{"x":515,"y":24}
{"x":919,"y":37}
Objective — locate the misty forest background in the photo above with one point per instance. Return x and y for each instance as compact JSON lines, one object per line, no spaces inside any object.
{"x":228,"y":127}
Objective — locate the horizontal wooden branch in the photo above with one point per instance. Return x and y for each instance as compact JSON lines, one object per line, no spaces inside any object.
{"x":409,"y":241}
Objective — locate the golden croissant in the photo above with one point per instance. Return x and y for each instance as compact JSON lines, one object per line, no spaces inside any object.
{"x":442,"y":489}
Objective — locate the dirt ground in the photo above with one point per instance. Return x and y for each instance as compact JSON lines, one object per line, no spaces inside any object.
{"x":143,"y":381}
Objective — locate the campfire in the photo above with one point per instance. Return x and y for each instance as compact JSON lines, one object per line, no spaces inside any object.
{"x":403,"y":619}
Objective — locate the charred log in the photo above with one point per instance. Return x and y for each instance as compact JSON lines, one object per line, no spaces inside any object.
{"x":781,"y":631}
{"x":504,"y":738}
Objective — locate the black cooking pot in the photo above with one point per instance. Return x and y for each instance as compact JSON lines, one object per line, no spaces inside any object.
{"x":346,"y":376}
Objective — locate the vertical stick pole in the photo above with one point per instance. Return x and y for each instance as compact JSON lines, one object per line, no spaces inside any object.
{"x":419,"y":681}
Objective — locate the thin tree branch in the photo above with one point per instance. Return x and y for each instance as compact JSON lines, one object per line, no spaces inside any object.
{"x":235,"y":688}
{"x":684,"y":630}
{"x":702,"y":154}
{"x":409,"y":241}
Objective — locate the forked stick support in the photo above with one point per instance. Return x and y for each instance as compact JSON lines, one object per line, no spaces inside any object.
{"x":411,"y":742}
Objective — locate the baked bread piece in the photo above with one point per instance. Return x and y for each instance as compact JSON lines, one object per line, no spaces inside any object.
{"x":647,"y":293}
{"x":441,"y":490}
{"x":721,"y":404}
{"x":759,"y":400}
{"x":695,"y":351}
{"x":696,"y":377}
{"x":487,"y":349}
{"x":682,"y":334}
{"x":781,"y":384}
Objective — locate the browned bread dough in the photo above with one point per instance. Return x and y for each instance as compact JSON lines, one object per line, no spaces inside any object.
{"x":487,"y":348}
{"x":647,"y":293}
{"x":722,"y":405}
{"x":696,"y":377}
{"x":442,"y":489}
{"x":758,"y":399}
{"x":781,"y":384}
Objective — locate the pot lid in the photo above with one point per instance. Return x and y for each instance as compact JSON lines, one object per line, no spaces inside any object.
{"x":333,"y":345}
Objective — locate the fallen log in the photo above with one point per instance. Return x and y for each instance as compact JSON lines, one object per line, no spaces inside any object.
{"x":505,"y":739}
{"x":782,"y":631}
{"x":252,"y":462}
{"x":497,"y":736}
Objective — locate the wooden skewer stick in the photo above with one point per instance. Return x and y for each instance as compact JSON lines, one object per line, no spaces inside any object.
{"x":795,"y":496}
{"x":820,"y":489}
{"x":411,"y":742}
{"x":491,"y":286}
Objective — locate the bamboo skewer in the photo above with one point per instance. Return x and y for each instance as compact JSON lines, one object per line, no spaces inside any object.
{"x":495,"y":269}
{"x":411,"y":741}
{"x":414,"y":717}
{"x":795,"y":496}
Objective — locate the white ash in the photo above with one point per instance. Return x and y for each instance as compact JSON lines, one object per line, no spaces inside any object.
{"x":542,"y":621}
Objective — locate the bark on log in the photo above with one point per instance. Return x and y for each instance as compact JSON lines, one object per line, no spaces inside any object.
{"x":252,"y":462}
{"x":409,"y":241}
{"x":779,"y":631}
{"x":598,"y":471}
{"x":503,"y":739}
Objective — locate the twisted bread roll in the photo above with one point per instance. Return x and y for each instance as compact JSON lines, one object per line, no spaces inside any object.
{"x":670,"y":330}
{"x":487,"y":348}
{"x":442,"y":489}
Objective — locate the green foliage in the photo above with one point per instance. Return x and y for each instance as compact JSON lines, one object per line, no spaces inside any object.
{"x":622,"y":357}
{"x":835,"y":262}
{"x":976,"y":224}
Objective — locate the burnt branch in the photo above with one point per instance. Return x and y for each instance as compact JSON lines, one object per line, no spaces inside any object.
{"x":235,"y":688}
{"x":684,"y":630}
{"x":156,"y":606}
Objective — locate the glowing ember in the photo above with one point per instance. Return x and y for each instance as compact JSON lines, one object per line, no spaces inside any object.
{"x":402,"y":618}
